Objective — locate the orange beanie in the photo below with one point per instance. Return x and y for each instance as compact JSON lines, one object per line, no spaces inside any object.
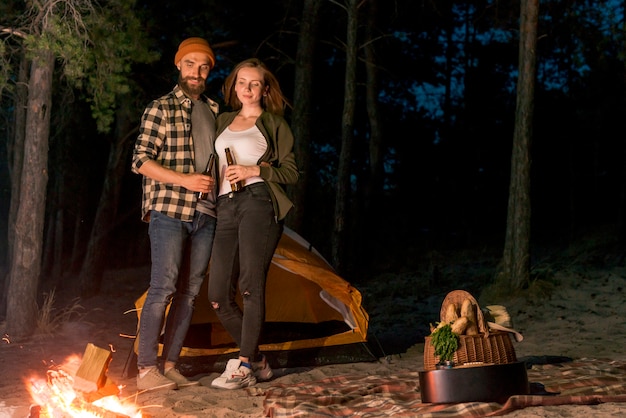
{"x":190,"y":45}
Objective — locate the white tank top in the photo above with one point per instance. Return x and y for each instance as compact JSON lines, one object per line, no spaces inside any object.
{"x":246,"y":146}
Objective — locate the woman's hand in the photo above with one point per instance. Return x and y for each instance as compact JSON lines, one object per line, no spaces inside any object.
{"x":235,"y":172}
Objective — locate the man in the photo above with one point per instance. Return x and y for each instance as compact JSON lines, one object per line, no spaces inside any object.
{"x":171,"y":153}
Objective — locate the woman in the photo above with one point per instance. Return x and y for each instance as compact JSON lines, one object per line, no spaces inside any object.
{"x":250,"y":219}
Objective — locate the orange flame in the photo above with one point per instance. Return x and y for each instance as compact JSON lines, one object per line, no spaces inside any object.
{"x":57,"y":397}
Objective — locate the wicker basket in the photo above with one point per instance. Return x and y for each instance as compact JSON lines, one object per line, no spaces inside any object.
{"x":487,"y":347}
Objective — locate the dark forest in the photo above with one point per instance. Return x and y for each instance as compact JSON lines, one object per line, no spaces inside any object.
{"x":435,"y":180}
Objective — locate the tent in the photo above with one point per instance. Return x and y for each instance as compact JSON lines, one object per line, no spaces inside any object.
{"x":313,"y":316}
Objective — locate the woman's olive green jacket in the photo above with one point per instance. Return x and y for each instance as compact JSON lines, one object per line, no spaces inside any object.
{"x":281,"y":169}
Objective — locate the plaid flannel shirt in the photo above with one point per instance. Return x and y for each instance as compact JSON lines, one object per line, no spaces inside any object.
{"x":165,"y":137}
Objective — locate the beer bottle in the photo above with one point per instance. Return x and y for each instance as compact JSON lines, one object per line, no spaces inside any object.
{"x":208,"y":171}
{"x":229,"y":160}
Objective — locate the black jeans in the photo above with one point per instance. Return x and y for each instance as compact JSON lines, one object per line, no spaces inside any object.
{"x":246,"y":236}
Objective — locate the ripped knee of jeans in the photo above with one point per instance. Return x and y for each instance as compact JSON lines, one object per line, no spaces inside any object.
{"x":215,"y":305}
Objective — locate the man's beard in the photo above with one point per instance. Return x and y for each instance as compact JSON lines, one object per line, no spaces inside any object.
{"x":191,"y":90}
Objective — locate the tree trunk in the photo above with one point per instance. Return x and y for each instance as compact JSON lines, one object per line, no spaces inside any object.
{"x":26,"y":258}
{"x":95,"y":260}
{"x":374,"y":187}
{"x":302,"y":104}
{"x":52,"y":253}
{"x":347,"y":138}
{"x":16,"y":158}
{"x":515,"y":271}
{"x":622,"y":202}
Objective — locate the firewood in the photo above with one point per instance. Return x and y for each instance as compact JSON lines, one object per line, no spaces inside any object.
{"x":98,"y":411}
{"x":91,"y":375}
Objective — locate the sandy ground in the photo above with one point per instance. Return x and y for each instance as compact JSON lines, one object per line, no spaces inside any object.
{"x":583,"y":318}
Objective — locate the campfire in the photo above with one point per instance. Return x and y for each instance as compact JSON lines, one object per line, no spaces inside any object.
{"x":80,"y":389}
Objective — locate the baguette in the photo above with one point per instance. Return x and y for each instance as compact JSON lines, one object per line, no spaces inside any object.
{"x":460,"y":325}
{"x":451,"y":314}
{"x":468,"y":309}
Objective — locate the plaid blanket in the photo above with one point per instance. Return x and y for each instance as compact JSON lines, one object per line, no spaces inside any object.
{"x":581,"y":382}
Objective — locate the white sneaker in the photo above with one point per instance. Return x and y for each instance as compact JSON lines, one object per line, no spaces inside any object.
{"x":235,"y":376}
{"x":262,"y":370}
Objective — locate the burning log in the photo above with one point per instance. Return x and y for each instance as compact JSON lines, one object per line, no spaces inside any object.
{"x":80,"y":390}
{"x":79,"y":405}
{"x":35,"y":411}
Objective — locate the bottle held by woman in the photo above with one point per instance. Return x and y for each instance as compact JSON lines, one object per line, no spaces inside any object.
{"x":236,"y":186}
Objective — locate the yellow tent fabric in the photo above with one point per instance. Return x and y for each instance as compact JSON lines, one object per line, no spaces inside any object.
{"x":302,"y":288}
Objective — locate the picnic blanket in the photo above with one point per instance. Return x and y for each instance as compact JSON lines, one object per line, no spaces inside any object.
{"x":580,"y":382}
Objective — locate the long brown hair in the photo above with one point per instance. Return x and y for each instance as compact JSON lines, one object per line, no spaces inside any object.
{"x":273,"y":100}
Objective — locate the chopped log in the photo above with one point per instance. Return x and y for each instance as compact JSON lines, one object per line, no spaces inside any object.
{"x":92,"y":373}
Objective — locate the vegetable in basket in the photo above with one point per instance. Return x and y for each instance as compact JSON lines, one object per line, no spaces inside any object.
{"x":445,"y":342}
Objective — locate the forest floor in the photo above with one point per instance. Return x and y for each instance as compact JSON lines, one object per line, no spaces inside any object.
{"x":574,"y":308}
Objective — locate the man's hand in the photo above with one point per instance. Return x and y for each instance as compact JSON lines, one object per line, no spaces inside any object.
{"x":196,"y":182}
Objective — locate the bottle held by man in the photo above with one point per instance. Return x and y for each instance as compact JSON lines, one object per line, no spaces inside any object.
{"x":208,"y":170}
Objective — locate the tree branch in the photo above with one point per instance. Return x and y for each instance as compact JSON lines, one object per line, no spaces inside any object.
{"x":12,"y":31}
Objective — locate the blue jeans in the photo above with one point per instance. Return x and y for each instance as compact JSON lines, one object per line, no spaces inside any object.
{"x":246,"y":236}
{"x":180,"y":259}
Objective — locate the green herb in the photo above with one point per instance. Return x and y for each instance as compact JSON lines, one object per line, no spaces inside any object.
{"x":445,"y":343}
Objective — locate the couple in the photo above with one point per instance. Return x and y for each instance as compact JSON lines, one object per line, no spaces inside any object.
{"x":237,"y":230}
